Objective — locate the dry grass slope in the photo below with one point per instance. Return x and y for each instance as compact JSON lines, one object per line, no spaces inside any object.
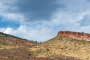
{"x":63,"y":46}
{"x":10,"y":50}
{"x":57,"y":48}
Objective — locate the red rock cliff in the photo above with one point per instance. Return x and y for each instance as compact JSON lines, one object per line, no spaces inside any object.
{"x":76,"y":35}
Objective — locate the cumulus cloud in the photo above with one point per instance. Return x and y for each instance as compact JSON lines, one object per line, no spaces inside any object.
{"x":34,"y":10}
{"x":49,"y":17}
{"x":40,"y":35}
{"x":40,"y":10}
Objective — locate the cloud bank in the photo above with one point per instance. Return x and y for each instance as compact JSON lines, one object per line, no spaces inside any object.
{"x":42,"y":19}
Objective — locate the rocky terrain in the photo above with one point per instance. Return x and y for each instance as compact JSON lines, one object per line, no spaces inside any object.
{"x":76,"y":35}
{"x":65,"y":46}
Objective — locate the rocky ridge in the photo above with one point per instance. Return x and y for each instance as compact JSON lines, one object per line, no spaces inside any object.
{"x":76,"y":35}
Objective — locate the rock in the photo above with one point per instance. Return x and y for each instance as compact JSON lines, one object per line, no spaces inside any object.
{"x":77,"y":35}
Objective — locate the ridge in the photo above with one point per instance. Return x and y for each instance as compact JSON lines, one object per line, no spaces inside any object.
{"x":75,"y":35}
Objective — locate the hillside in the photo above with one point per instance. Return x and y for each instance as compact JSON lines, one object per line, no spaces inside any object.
{"x":58,"y":48}
{"x":15,"y":48}
{"x":9,"y":41}
{"x":63,"y":47}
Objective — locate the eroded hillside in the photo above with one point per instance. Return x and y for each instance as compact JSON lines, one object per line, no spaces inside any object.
{"x":8,"y":41}
{"x":57,"y":48}
{"x":63,"y":46}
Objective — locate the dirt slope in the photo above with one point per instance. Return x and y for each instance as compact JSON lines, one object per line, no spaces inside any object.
{"x":14,"y":48}
{"x":57,"y":48}
{"x":63,"y":46}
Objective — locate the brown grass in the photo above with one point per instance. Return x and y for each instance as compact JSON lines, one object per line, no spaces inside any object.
{"x":57,"y":48}
{"x":63,"y":46}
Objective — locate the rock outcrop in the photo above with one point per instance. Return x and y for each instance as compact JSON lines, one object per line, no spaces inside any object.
{"x":76,"y":35}
{"x":22,"y":42}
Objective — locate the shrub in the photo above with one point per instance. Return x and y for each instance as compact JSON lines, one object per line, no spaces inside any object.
{"x":69,"y":49}
{"x":48,"y":49}
{"x":66,"y":53}
{"x":87,"y":51}
{"x":62,"y":48}
{"x":29,"y":54}
{"x":65,"y":46}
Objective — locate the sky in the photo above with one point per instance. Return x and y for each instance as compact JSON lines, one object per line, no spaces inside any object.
{"x":41,"y":20}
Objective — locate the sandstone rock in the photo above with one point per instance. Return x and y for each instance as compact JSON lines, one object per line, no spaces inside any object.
{"x":76,"y":35}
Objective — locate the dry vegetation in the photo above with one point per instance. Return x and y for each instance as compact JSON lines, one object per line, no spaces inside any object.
{"x":57,"y":48}
{"x":63,"y":46}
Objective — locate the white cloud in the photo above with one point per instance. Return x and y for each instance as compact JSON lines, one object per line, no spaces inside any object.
{"x":26,"y":32}
{"x":2,"y":29}
{"x":68,"y":18}
{"x":8,"y":30}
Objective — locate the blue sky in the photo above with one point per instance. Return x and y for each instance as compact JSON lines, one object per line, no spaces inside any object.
{"x":41,"y":20}
{"x":8,"y":23}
